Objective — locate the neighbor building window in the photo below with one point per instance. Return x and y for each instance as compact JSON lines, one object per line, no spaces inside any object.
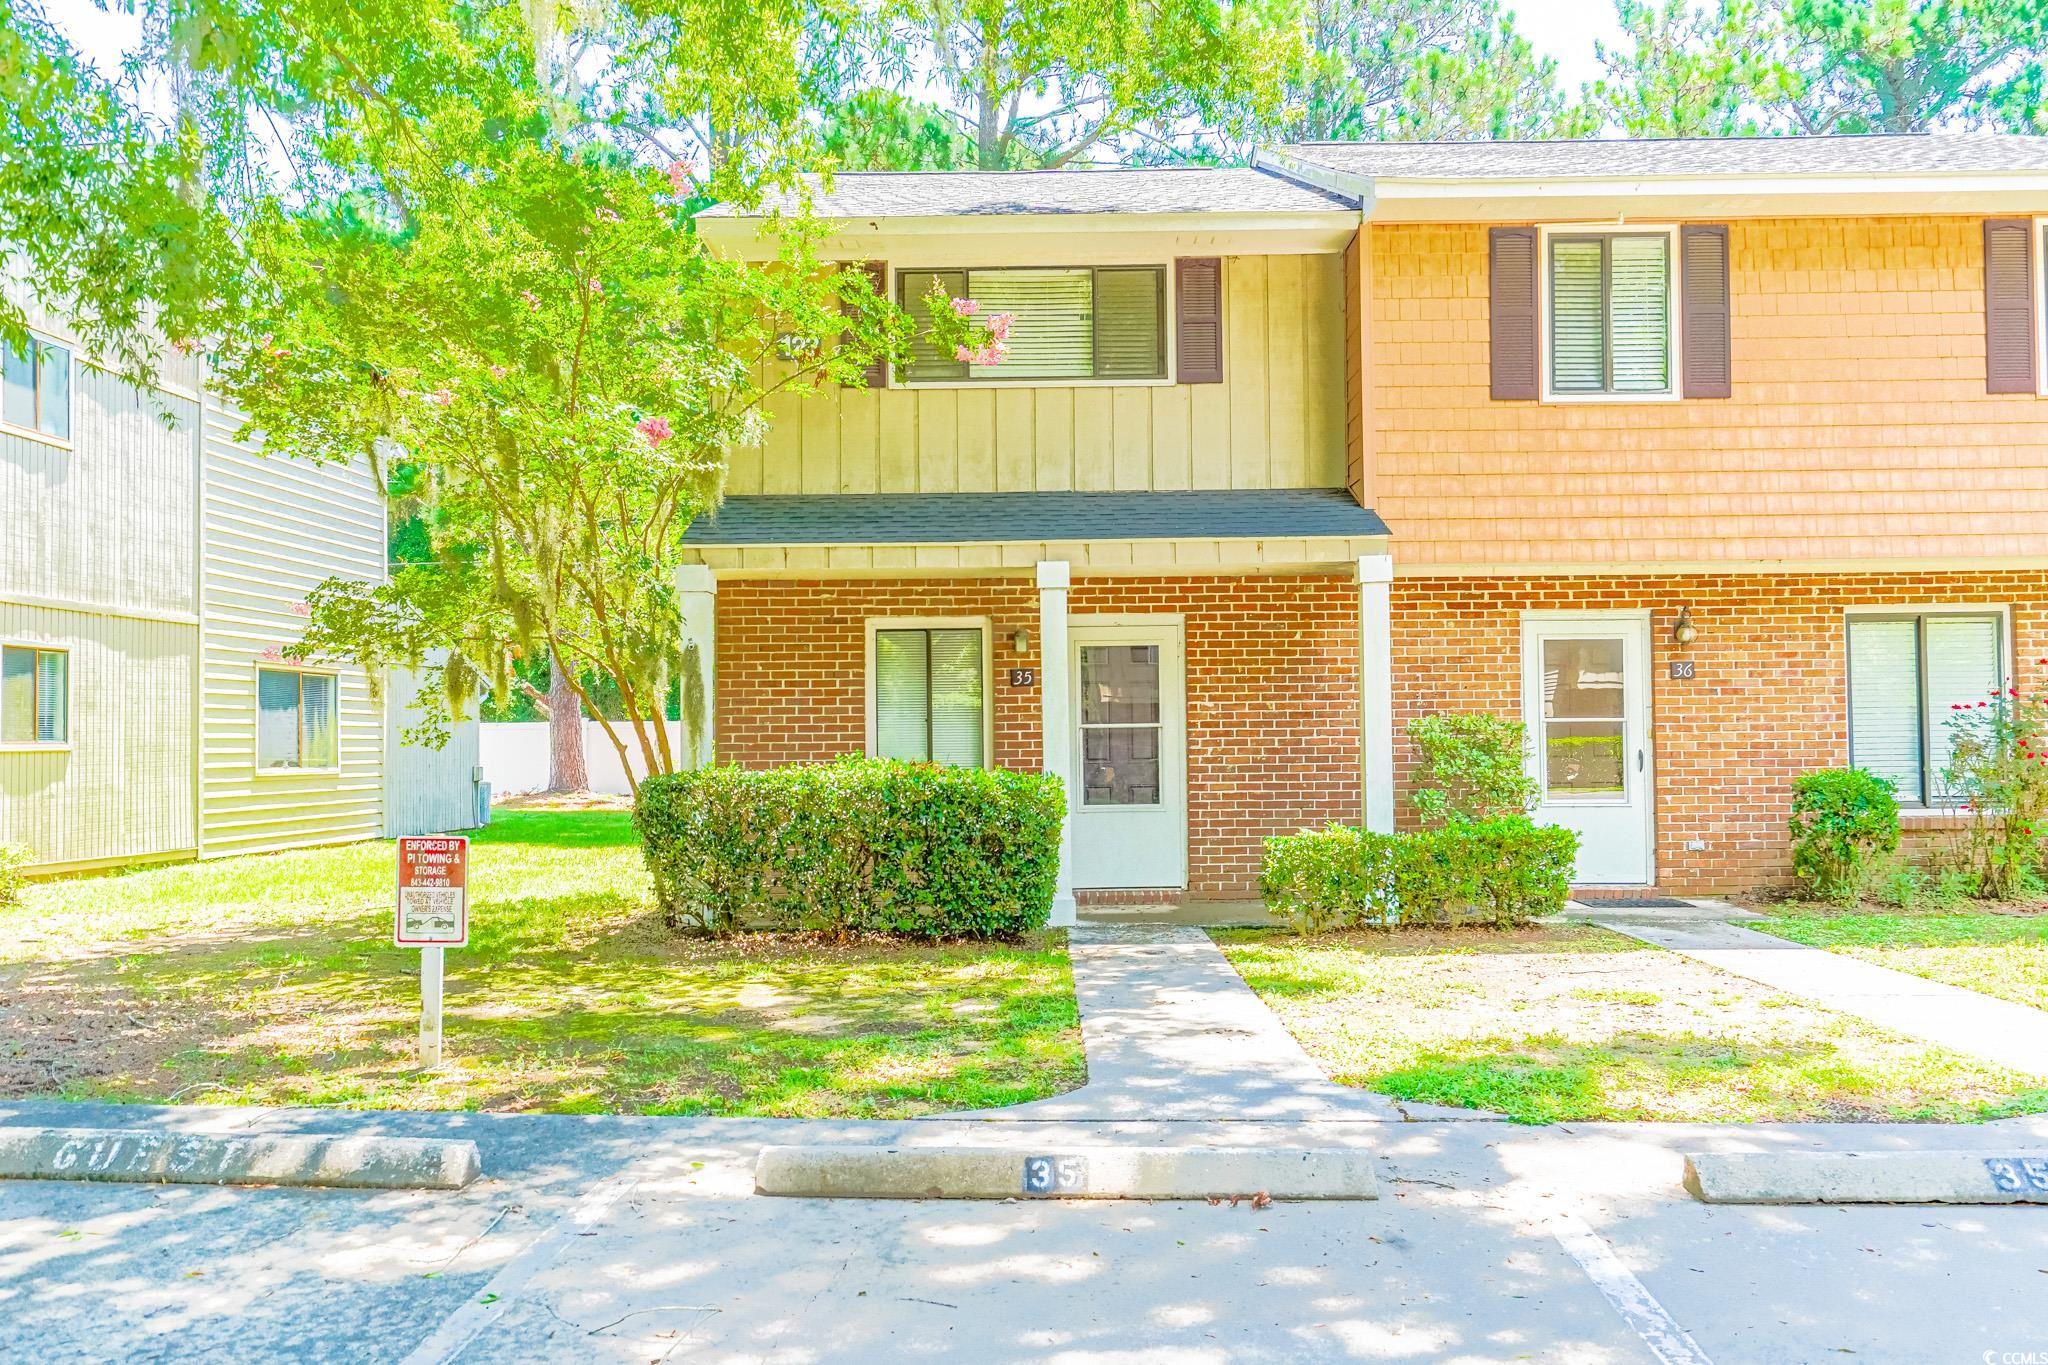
{"x":1907,"y":673}
{"x":930,"y":694}
{"x":35,"y":695}
{"x":295,"y":721}
{"x":35,"y":388}
{"x":1608,"y":304}
{"x":1102,"y":322}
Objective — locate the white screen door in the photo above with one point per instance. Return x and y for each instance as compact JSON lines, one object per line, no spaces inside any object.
{"x":1130,"y":756}
{"x":1586,"y":701}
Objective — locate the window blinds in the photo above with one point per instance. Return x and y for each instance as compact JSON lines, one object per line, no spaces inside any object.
{"x":1610,"y":314}
{"x":929,"y":696}
{"x":1067,"y":323}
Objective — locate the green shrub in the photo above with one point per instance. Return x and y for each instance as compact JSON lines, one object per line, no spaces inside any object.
{"x":13,"y":858}
{"x":1501,"y":872}
{"x":861,"y":846}
{"x":1902,"y":886}
{"x":1845,"y":829}
{"x":1473,"y":767}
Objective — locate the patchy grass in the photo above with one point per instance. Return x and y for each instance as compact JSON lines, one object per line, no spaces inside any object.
{"x":272,"y":980}
{"x":1999,"y":953}
{"x":1572,"y":1022}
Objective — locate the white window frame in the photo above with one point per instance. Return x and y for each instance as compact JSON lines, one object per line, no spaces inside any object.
{"x":877,"y":624}
{"x":2038,"y":301}
{"x":256,"y":713}
{"x":1168,"y":301}
{"x":44,"y":746}
{"x":2006,"y":668}
{"x":64,"y":442}
{"x":1674,"y":342}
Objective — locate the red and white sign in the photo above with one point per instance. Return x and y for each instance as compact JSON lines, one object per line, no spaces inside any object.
{"x":433,"y":892}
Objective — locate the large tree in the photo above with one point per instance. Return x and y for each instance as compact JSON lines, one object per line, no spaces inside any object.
{"x":1689,"y":70}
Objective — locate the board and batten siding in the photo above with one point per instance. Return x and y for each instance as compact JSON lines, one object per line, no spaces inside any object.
{"x":273,"y":528}
{"x":1276,"y":420}
{"x":121,"y":789}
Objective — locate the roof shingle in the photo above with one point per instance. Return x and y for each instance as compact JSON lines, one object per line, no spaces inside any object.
{"x":926,"y":194}
{"x":992,"y":518}
{"x":1866,"y":154}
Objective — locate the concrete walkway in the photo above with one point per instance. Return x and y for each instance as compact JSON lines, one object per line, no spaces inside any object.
{"x":1981,"y":1026}
{"x":1173,"y":1033}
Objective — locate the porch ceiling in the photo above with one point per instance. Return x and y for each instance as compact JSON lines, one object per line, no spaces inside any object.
{"x":931,"y":519}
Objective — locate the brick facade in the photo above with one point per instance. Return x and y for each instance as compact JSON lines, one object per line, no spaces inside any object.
{"x":1769,"y":701}
{"x":1272,"y":688}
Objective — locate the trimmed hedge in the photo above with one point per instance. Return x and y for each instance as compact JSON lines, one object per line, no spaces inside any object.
{"x":1845,"y":829}
{"x":860,"y":846}
{"x":1501,"y":872}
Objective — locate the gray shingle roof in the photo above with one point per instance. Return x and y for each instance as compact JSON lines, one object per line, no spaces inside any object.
{"x":921,"y":194}
{"x":1874,"y":154}
{"x":987,"y":518}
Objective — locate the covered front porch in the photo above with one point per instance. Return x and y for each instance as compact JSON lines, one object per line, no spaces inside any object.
{"x":1201,"y":670}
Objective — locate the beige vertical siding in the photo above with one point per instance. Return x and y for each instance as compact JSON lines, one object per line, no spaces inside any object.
{"x":1277,"y":420}
{"x":273,"y":529}
{"x":122,"y":788}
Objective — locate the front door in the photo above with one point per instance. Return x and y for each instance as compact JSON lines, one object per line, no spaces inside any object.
{"x":1586,"y":701}
{"x":1130,"y":755}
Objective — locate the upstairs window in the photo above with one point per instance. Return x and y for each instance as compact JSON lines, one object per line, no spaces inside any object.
{"x":929,"y":694}
{"x":35,"y":388}
{"x":35,"y":695}
{"x":1608,"y":304}
{"x":1099,"y":322}
{"x":295,"y":720}
{"x":1906,"y":674}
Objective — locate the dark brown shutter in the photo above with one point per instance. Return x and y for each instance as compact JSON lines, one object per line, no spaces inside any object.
{"x":877,"y":372}
{"x":1198,"y":320}
{"x":1511,"y":311}
{"x":1703,"y":310}
{"x":2008,"y":305}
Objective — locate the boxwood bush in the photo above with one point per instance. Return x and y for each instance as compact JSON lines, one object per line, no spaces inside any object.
{"x":1500,"y":872}
{"x":860,"y":846}
{"x":1845,"y":829}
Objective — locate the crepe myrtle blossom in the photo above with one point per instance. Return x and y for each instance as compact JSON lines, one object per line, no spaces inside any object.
{"x":532,"y":300}
{"x":678,"y":177}
{"x":655,"y":429}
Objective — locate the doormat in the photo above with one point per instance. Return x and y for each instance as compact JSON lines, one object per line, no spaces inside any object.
{"x":1633,"y":902}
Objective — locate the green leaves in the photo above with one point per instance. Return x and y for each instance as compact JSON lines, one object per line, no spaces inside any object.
{"x":1500,"y":872}
{"x":1474,"y":766}
{"x":1845,"y":828}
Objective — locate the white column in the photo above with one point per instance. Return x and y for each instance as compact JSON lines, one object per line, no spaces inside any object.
{"x":697,"y":594}
{"x":1055,"y":725}
{"x":1376,"y":687}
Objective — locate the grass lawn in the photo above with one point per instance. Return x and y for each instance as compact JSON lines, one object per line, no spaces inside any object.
{"x":2005,"y":955}
{"x":271,"y":980}
{"x":1554,"y":1023}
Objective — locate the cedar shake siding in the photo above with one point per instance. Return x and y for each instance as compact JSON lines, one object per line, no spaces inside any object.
{"x":1858,"y":423}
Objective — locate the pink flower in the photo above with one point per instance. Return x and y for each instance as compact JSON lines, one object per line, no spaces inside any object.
{"x":655,"y":429}
{"x":440,"y":398}
{"x":966,"y":308}
{"x":999,"y":325}
{"x":271,"y":653}
{"x":963,"y":355}
{"x":499,"y":371}
{"x":597,"y":286}
{"x":532,"y":299}
{"x":302,"y":609}
{"x":678,"y":177}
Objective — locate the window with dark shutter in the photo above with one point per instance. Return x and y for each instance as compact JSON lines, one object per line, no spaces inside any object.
{"x":2009,"y":306}
{"x":1511,"y":311}
{"x":1066,"y":322}
{"x":1703,"y":308}
{"x":1198,"y":323}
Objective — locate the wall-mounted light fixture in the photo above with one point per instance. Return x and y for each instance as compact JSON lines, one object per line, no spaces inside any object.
{"x":1020,"y":640}
{"x":1682,"y":631}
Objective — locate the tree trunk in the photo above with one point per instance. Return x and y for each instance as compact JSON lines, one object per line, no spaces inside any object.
{"x":567,"y":769}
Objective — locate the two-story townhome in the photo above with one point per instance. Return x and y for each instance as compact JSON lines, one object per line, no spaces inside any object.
{"x":1712,"y":461}
{"x":154,"y":567}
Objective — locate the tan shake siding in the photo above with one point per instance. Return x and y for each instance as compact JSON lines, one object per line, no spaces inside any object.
{"x":122,"y":789}
{"x":1276,"y":420}
{"x":1272,"y":688}
{"x":274,"y":528}
{"x":1859,"y":425}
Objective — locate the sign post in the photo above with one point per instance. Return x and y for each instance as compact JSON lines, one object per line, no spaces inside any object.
{"x":433,"y":916}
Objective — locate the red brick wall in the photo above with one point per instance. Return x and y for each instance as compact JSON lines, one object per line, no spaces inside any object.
{"x":1272,"y":673}
{"x":1770,"y":699}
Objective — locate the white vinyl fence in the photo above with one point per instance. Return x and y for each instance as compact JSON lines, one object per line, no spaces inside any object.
{"x":515,"y":756}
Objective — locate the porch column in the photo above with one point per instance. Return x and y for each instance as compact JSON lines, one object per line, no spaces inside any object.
{"x":1055,"y":726}
{"x":1376,"y":687}
{"x":697,"y":594}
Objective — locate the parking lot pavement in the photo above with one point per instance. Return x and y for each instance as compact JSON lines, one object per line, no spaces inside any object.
{"x":640,"y":1239}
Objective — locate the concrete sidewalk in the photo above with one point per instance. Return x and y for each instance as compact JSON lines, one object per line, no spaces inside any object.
{"x":1996,"y":1031}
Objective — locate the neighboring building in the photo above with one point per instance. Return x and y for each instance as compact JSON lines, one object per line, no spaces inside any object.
{"x":1715,"y":461}
{"x":153,"y":573}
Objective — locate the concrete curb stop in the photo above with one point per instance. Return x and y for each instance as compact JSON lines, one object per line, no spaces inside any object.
{"x":1867,"y":1177}
{"x":956,"y":1172}
{"x":139,"y":1155}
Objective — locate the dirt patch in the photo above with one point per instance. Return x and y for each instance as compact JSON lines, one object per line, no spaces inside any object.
{"x":564,"y":801}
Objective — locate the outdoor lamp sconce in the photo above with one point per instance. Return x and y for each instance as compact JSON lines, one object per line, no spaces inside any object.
{"x":1682,"y":632}
{"x":1020,"y":640}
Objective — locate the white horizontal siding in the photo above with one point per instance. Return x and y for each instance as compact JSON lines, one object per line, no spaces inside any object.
{"x":274,"y":530}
